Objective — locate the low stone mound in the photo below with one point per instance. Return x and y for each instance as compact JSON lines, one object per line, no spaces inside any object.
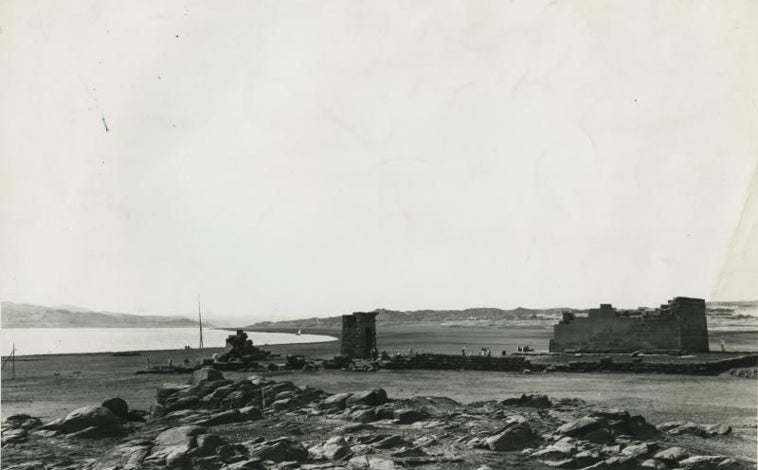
{"x":373,"y":397}
{"x":433,"y":406}
{"x":529,"y":401}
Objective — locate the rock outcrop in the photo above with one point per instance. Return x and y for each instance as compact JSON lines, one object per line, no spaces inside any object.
{"x":258,"y":423}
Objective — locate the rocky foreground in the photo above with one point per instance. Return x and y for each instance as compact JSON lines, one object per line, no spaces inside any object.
{"x":257,"y":423}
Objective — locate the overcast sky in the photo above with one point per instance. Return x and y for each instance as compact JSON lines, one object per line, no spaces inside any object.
{"x":301,"y":158}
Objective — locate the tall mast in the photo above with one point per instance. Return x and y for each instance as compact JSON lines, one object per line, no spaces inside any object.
{"x":200,"y":321}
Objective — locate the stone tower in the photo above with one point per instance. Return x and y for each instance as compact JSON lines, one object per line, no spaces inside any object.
{"x":358,"y":334}
{"x":693,"y":326}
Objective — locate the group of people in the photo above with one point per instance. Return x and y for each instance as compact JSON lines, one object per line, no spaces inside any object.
{"x":375,"y":354}
{"x":170,"y":362}
{"x":486,"y":352}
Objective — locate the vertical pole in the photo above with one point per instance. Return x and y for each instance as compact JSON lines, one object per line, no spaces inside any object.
{"x":13,"y":362}
{"x":200,"y":321}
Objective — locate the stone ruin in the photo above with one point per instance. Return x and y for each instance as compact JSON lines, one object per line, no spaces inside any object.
{"x":358,"y":335}
{"x":679,"y":325}
{"x":240,"y":349}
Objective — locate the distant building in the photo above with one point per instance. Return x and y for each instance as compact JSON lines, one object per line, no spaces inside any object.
{"x":679,"y":325}
{"x":358,"y":334}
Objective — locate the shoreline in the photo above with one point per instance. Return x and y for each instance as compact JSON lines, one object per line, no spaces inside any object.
{"x":20,"y":357}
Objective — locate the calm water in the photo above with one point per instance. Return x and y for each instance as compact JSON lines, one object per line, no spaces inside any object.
{"x":85,"y":340}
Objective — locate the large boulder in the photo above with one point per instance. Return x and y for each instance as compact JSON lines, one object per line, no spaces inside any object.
{"x":279,"y":450}
{"x":409,"y":416}
{"x":126,"y":456}
{"x":582,"y":426}
{"x":367,"y":462}
{"x":117,"y":406}
{"x":173,"y":446}
{"x":433,"y":406}
{"x":560,"y":450}
{"x":652,"y":464}
{"x":336,"y":401}
{"x":91,"y":416}
{"x":634,"y":426}
{"x":638,"y":451}
{"x":672,"y":455}
{"x":516,"y":437}
{"x":206,"y":374}
{"x":167,"y":391}
{"x":612,"y":414}
{"x":530,"y":401}
{"x":373,"y":397}
{"x":390,"y":442}
{"x":224,"y":417}
{"x":334,"y":449}
{"x":248,"y":464}
{"x":710,"y":462}
{"x":598,"y":436}
{"x":693,"y":429}
{"x":178,"y":435}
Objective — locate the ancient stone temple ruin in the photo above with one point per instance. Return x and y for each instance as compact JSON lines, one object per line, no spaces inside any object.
{"x":679,"y":325}
{"x":358,"y":334}
{"x":240,"y":348}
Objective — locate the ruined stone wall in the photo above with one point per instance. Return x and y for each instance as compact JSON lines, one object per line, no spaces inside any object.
{"x":679,"y":325}
{"x":456,"y":362}
{"x":616,"y":334}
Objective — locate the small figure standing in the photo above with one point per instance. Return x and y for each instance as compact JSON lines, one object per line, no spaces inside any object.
{"x":148,"y":362}
{"x":723,"y":344}
{"x":463,"y":351}
{"x":170,"y":362}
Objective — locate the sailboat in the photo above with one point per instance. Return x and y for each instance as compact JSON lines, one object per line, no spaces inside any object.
{"x":299,"y":331}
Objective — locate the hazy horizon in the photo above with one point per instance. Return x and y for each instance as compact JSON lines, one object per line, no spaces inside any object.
{"x":223,"y":321}
{"x":286,"y":161}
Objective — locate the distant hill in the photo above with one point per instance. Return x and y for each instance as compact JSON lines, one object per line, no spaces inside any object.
{"x":717,"y":310}
{"x":744,"y":309}
{"x":15,"y":315}
{"x":388,"y":317}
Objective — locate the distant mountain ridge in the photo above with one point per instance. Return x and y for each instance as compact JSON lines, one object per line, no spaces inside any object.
{"x":15,"y":315}
{"x":385,"y":316}
{"x":723,"y":310}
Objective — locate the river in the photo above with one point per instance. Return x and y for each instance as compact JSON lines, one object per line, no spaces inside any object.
{"x":29,"y":341}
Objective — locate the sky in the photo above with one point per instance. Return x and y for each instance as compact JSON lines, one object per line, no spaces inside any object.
{"x":298,"y":159}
